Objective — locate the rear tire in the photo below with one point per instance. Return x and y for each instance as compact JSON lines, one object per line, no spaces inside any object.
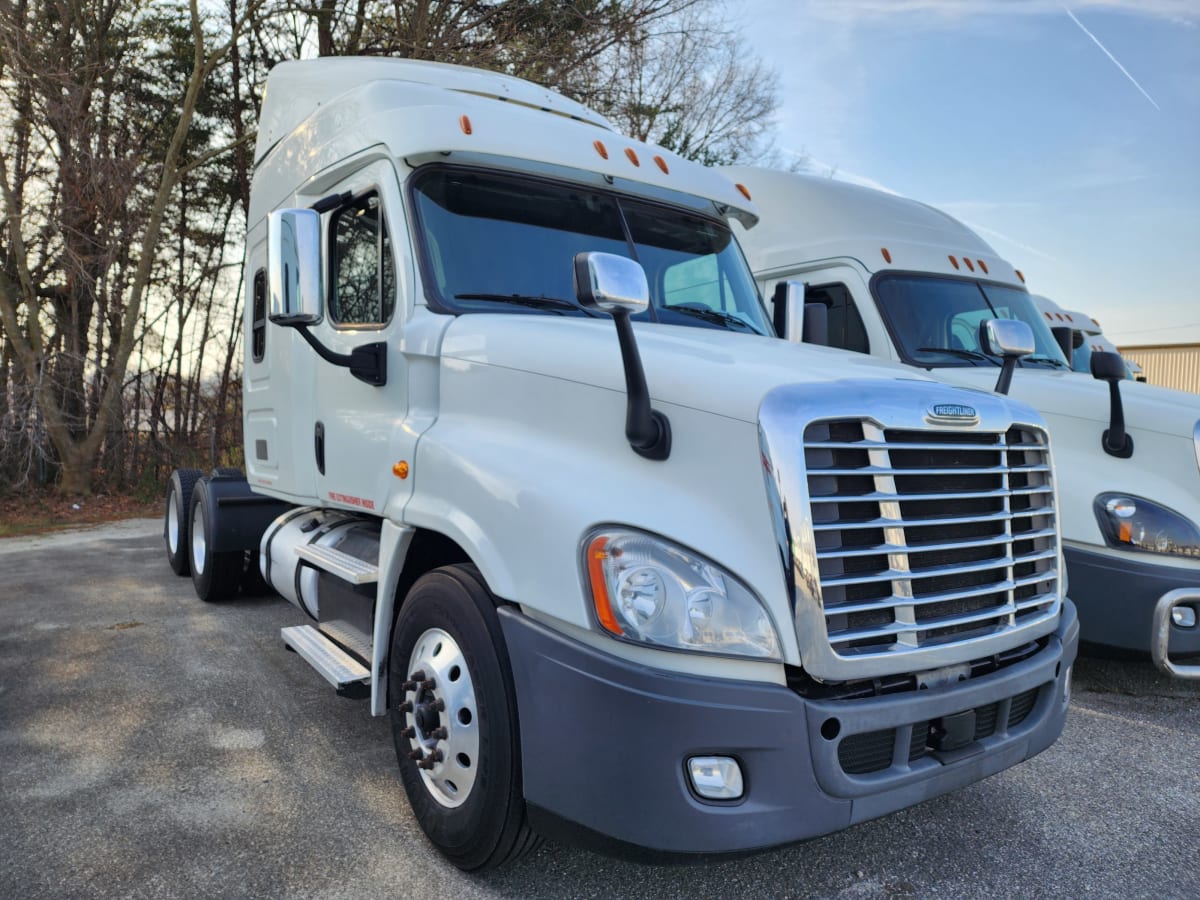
{"x":469,"y":802}
{"x":214,"y":575}
{"x":176,"y":518}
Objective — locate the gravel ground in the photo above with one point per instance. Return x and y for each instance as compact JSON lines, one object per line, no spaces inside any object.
{"x":154,"y":746}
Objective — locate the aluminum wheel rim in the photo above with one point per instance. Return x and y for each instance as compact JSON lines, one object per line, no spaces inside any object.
{"x":199,"y":545}
{"x":443,"y":698}
{"x":173,"y":524}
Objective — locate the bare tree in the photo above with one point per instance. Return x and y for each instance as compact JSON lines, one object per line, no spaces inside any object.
{"x":73,"y":176}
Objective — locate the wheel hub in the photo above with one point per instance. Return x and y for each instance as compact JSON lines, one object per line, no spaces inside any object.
{"x":440,"y":716}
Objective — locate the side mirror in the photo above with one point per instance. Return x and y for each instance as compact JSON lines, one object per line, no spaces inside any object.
{"x":816,"y":324}
{"x":789,"y":311}
{"x":296,"y":290}
{"x":1107,"y":366}
{"x":1110,"y":367}
{"x":617,"y":285}
{"x":1065,"y":335}
{"x":608,"y":283}
{"x":1010,"y":339}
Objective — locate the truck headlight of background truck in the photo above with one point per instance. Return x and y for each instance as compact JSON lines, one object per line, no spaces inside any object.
{"x":651,"y":591}
{"x":1128,"y":522}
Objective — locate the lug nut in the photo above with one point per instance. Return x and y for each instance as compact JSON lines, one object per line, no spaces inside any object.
{"x":440,"y":733}
{"x":433,"y":706}
{"x":431,"y":760}
{"x":409,"y":733}
{"x":417,"y":754}
{"x":406,"y":707}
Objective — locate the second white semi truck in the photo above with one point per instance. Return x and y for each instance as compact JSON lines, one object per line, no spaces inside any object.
{"x":621,"y":567}
{"x":899,"y":280}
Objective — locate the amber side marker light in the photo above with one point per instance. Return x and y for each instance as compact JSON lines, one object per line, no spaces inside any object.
{"x":662,"y":164}
{"x":601,"y":149}
{"x":465,"y":124}
{"x":744,"y":192}
{"x":400,"y":469}
{"x":597,"y":553}
{"x":953,"y":261}
{"x":982,"y":265}
{"x":632,"y":156}
{"x":970,"y":265}
{"x":1020,"y":275}
{"x":887,"y":257}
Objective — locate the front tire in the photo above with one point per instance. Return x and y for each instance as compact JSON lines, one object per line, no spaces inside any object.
{"x":454,"y":721}
{"x":176,"y":517}
{"x":214,"y":575}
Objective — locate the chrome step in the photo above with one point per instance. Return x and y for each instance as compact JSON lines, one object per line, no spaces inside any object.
{"x":337,"y":666}
{"x":343,"y":565}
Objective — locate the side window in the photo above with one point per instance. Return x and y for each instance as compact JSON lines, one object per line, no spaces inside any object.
{"x":845,"y":324}
{"x":363,"y":288}
{"x":258,"y":320}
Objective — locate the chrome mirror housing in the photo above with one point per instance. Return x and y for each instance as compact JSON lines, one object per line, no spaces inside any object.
{"x":608,"y":283}
{"x":295,"y":288}
{"x":1006,"y":337}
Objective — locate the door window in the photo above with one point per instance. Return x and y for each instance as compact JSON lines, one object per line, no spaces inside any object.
{"x":363,"y":289}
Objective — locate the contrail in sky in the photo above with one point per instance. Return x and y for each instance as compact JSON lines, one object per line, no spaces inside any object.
{"x":1124,"y":71}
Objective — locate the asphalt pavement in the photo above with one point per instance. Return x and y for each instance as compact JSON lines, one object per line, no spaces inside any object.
{"x":155,"y":746}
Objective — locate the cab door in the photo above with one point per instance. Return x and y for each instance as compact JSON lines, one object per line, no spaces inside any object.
{"x":357,"y":426}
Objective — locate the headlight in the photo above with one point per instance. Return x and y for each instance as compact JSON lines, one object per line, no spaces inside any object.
{"x":1134,"y":523}
{"x":651,"y":591}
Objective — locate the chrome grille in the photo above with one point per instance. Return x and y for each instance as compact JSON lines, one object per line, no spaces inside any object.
{"x":926,"y":538}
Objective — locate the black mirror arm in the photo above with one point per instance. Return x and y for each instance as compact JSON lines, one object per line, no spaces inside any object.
{"x":648,"y":430}
{"x":367,"y":363}
{"x":1004,"y":382}
{"x":1114,"y":440}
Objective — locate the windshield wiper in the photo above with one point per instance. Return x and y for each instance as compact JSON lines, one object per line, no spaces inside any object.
{"x":1056,"y":363}
{"x":715,"y":316}
{"x":533,"y":300}
{"x":959,"y":352}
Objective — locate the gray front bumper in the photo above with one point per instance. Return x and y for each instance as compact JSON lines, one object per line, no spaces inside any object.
{"x":605,"y":744}
{"x":1117,"y":598}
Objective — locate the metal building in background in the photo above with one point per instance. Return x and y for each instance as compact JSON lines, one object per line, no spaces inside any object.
{"x":1169,"y":365}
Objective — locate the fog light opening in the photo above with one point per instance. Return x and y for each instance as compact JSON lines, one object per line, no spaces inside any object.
{"x":830,"y":729}
{"x":1184,"y":616}
{"x":715,"y":777}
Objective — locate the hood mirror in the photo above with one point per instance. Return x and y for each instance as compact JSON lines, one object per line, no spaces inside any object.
{"x":608,"y":283}
{"x":1065,"y":335}
{"x":1007,"y":338}
{"x":617,"y":285}
{"x":1110,"y":367}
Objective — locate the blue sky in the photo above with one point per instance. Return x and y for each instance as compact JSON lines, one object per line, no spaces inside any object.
{"x":1008,"y":115}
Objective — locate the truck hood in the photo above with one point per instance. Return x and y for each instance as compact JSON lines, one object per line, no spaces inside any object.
{"x":1068,"y":395}
{"x":719,"y":372}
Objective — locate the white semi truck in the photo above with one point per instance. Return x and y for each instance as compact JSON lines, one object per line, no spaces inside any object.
{"x":673,"y":584}
{"x":900,"y":280}
{"x":1079,"y":336}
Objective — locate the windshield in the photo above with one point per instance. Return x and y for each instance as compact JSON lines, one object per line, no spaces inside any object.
{"x":935,"y":321}
{"x":501,"y":243}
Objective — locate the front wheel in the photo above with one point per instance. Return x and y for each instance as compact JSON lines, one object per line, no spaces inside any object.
{"x":454,"y":721}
